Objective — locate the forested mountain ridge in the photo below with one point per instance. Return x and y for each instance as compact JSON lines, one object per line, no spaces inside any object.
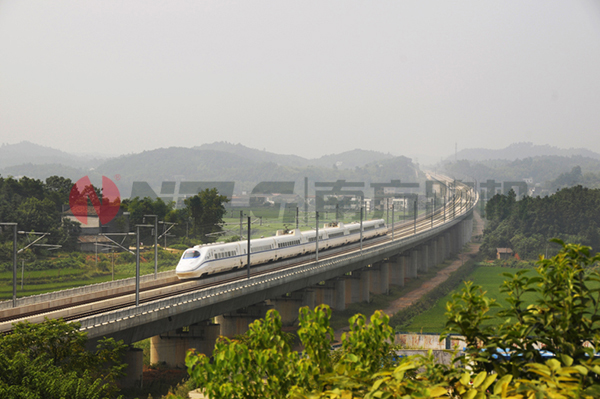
{"x":541,"y":169}
{"x":26,"y":152}
{"x":520,"y":151}
{"x":345,"y":160}
{"x":254,"y":154}
{"x":253,"y":166}
{"x":190,"y":164}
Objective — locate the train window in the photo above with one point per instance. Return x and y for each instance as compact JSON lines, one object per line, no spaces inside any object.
{"x":191,"y":254}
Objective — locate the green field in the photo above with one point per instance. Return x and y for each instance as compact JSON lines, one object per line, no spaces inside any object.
{"x":488,"y":277}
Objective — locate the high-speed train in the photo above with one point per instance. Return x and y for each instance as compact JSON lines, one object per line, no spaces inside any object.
{"x":208,"y":259}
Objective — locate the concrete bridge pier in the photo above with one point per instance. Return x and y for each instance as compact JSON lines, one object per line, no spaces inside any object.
{"x":431,"y":255}
{"x":331,"y":293}
{"x":423,"y":265}
{"x":434,"y":253}
{"x":413,"y":264}
{"x":171,"y":348}
{"x":340,"y":293}
{"x":440,"y":249}
{"x":289,"y":304}
{"x":396,"y":267}
{"x":468,"y":229}
{"x":309,"y":298}
{"x":134,"y":373}
{"x":359,"y":284}
{"x":448,"y":245}
{"x":380,"y":278}
{"x":236,"y":323}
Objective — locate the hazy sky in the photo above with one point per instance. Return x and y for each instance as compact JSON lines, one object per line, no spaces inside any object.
{"x":305,"y":77}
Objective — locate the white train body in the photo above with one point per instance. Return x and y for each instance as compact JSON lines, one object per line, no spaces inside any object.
{"x":204,"y":260}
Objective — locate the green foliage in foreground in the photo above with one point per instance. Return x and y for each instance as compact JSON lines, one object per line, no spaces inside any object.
{"x":49,"y":360}
{"x":262,"y":364}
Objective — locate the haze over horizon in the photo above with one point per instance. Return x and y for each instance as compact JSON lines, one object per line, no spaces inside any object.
{"x":312,"y":78}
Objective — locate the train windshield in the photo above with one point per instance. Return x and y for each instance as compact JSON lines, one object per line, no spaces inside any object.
{"x":191,"y":254}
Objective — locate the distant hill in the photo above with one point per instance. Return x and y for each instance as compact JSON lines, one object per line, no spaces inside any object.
{"x":210,"y":162}
{"x":196,"y":164}
{"x":344,"y":160}
{"x":42,"y":172}
{"x":26,"y":152}
{"x":541,"y":169}
{"x":254,"y":154}
{"x":520,"y":151}
{"x":350,"y":159}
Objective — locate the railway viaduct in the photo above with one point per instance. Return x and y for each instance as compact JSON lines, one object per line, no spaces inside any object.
{"x":196,"y":317}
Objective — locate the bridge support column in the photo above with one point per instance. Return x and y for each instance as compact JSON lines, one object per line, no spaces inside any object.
{"x":380,"y":278}
{"x":325,"y":293}
{"x":396,"y":270}
{"x":340,"y":294}
{"x":441,"y":249}
{"x":171,"y":348}
{"x":289,"y":304}
{"x":423,"y":258}
{"x":365,"y":285}
{"x":413,"y":261}
{"x":360,"y":283}
{"x":134,"y":373}
{"x":448,"y":242}
{"x":384,"y":278}
{"x":469,"y":229}
{"x":309,"y":298}
{"x":236,"y":323}
{"x":434,"y":253}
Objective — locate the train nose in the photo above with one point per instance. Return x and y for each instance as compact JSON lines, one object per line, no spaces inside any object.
{"x":187,"y":265}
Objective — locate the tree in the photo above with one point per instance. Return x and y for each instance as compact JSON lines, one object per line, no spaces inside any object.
{"x":206,"y":210}
{"x":138,"y":207}
{"x":49,"y":360}
{"x":565,"y":316}
{"x":59,"y":188}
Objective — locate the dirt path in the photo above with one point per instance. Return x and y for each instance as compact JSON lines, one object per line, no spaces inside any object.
{"x":442,"y":275}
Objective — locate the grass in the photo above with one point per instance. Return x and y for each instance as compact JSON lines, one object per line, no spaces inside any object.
{"x":488,"y":277}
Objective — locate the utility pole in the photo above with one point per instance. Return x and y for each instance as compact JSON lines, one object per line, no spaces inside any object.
{"x":415,"y":212}
{"x":432,"y":211}
{"x":306,"y":200}
{"x":248,"y":257}
{"x":393,"y":207}
{"x":297,"y":217}
{"x":14,"y":226}
{"x":137,"y":262}
{"x":445,"y":208}
{"x":155,"y":243}
{"x":361,"y":226}
{"x":317,"y":238}
{"x":241,"y":222}
{"x":387,"y":209}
